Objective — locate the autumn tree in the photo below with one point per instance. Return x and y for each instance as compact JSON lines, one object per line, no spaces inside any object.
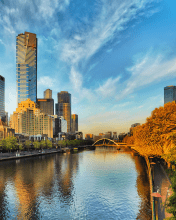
{"x":151,"y":137}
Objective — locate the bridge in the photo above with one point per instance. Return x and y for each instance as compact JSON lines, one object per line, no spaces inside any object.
{"x":108,"y":142}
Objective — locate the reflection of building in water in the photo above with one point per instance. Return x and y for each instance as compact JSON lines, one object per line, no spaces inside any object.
{"x":66,"y":169}
{"x":36,"y":178}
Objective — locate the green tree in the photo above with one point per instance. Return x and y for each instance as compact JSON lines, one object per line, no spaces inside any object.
{"x":48,"y":144}
{"x":36,"y":145}
{"x":20,"y":147}
{"x":171,"y":202}
{"x":43,"y":144}
{"x":28,"y":144}
{"x":3,"y":144}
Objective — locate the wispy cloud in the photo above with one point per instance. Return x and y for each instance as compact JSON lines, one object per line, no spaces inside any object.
{"x":108,"y":89}
{"x":149,"y":69}
{"x":114,"y":18}
{"x":45,"y":81}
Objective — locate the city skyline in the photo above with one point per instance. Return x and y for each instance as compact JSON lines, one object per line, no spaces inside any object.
{"x":113,"y":58}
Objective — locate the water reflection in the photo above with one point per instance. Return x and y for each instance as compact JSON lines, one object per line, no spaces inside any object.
{"x":99,"y":184}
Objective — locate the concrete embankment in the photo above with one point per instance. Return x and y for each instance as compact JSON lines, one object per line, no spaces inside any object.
{"x":34,"y":153}
{"x":160,"y":183}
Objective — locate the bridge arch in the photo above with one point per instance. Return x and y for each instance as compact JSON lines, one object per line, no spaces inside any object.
{"x":104,"y":140}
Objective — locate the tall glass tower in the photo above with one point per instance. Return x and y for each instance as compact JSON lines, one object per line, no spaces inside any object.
{"x":63,"y":107}
{"x":169,"y":94}
{"x":26,"y":67}
{"x":2,"y":97}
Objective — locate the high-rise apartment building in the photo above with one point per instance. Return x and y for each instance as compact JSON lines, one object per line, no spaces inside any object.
{"x":26,"y":67}
{"x":63,"y":107}
{"x":2,"y":97}
{"x":28,"y":120}
{"x":46,"y":105}
{"x":169,"y":94}
{"x":74,"y":123}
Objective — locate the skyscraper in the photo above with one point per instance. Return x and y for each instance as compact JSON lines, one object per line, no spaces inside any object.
{"x":46,"y":105}
{"x":26,"y":67}
{"x":63,"y":107}
{"x":48,"y":94}
{"x":74,"y":122}
{"x":2,"y":97}
{"x":169,"y":94}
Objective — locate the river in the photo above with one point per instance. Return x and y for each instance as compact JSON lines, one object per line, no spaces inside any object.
{"x":93,"y":184}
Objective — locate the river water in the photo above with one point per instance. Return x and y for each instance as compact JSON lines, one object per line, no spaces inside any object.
{"x":100,"y":184}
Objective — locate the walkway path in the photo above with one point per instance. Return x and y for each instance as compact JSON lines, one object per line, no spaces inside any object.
{"x":161,"y":185}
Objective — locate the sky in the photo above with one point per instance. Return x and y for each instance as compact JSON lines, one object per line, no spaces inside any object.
{"x":113,"y":56}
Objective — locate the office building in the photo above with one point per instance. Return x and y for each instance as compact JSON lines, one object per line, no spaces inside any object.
{"x":46,"y":105}
{"x":48,"y":94}
{"x":169,"y":94}
{"x":60,"y":125}
{"x":114,"y":135}
{"x":108,"y":135}
{"x":2,"y":97}
{"x":63,"y":107}
{"x":26,"y":67}
{"x":74,"y":123}
{"x":79,"y":135}
{"x":29,"y":120}
{"x":89,"y":136}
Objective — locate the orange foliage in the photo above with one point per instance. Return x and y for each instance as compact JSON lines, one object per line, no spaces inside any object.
{"x":151,"y":137}
{"x":128,"y":140}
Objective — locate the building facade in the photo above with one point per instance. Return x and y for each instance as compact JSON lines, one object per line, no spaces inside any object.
{"x":26,"y":67}
{"x":89,"y":136}
{"x":169,"y":94}
{"x":48,"y":94}
{"x":74,"y":123}
{"x":114,"y":135}
{"x":5,"y":130}
{"x":2,"y":97}
{"x":46,"y":105}
{"x":29,"y":120}
{"x":63,"y":107}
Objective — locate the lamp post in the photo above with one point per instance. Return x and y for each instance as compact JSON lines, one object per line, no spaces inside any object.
{"x":156,"y":195}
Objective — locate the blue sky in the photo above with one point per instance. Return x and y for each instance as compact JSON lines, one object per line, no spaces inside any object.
{"x":114,"y":56}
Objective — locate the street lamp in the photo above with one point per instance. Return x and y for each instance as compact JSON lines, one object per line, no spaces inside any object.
{"x":156,"y":195}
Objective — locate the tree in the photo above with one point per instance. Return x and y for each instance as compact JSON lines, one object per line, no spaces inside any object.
{"x":43,"y":144}
{"x":151,"y":137}
{"x":28,"y":144}
{"x":48,"y":144}
{"x":36,"y":144}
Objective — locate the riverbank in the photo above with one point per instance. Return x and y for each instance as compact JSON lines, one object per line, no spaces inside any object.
{"x":160,"y":183}
{"x":34,"y":153}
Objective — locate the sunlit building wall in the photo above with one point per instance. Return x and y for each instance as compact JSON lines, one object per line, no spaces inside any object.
{"x":88,"y":136}
{"x":5,"y":130}
{"x":169,"y":94}
{"x":28,"y":120}
{"x":63,"y":107}
{"x":48,"y":94}
{"x":2,"y":97}
{"x":46,"y":105}
{"x":26,"y":67}
{"x":74,"y":123}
